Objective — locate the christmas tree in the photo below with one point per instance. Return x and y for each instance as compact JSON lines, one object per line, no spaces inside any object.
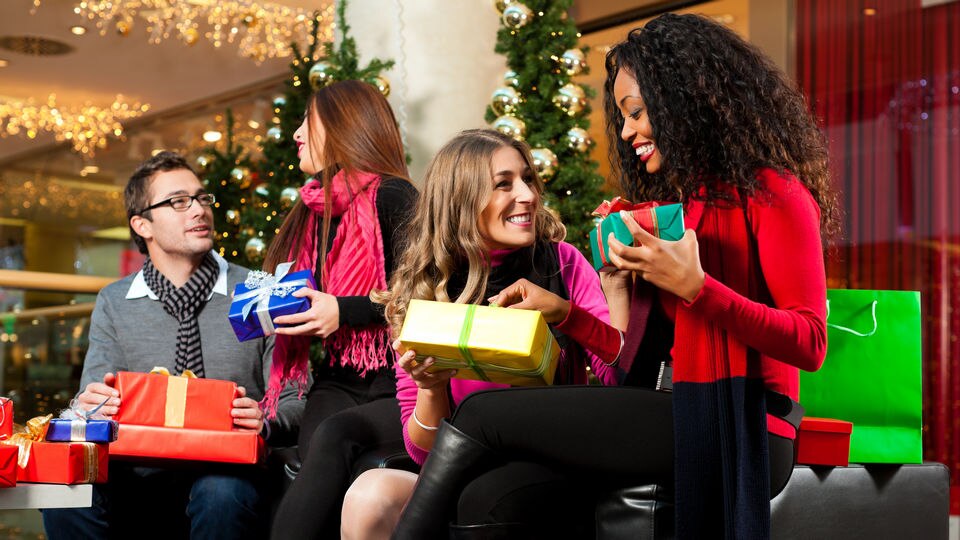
{"x":253,"y":198}
{"x":540,"y":104}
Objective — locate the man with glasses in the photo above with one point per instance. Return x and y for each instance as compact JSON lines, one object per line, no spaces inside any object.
{"x":173,"y":314}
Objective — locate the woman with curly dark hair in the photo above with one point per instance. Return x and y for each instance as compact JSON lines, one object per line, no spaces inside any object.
{"x":733,"y":309}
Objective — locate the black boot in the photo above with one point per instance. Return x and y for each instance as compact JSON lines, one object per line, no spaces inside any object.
{"x":454,"y":460}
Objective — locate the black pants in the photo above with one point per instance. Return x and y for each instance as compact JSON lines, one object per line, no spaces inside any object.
{"x":345,"y":415}
{"x":566,"y":445}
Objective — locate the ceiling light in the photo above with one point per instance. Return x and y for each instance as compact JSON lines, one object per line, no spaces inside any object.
{"x":253,"y":124}
{"x":78,"y":30}
{"x":3,"y":63}
{"x":869,"y":12}
{"x":261,"y":30}
{"x":89,"y":169}
{"x":85,"y":127}
{"x":212,"y":136}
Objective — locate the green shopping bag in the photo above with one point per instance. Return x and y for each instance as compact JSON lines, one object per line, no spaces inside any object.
{"x":871,"y":375}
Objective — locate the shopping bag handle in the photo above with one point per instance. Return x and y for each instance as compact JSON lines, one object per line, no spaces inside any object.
{"x":873,"y":313}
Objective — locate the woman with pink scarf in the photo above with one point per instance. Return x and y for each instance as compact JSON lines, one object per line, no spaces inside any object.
{"x":345,"y":229}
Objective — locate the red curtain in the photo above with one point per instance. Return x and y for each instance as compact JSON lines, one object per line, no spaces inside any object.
{"x":884,"y":78}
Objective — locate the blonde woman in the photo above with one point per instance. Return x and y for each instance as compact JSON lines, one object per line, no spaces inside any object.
{"x":481,"y":228}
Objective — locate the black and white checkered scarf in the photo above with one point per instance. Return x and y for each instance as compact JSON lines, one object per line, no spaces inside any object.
{"x":184,"y":304}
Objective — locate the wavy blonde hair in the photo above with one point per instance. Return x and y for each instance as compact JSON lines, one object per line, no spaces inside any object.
{"x":444,"y":235}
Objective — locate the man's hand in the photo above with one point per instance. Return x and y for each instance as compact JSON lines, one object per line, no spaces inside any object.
{"x":95,"y":393}
{"x":246,"y":412}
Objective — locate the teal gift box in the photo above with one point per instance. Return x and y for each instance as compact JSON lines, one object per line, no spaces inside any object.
{"x":661,"y":220}
{"x":263,"y":297}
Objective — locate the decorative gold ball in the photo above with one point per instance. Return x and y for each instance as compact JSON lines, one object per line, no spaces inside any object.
{"x":578,"y":139}
{"x":545,"y":162}
{"x":501,"y":5}
{"x":241,"y":175}
{"x":288,"y":197}
{"x":510,"y":78}
{"x":248,"y":232}
{"x":571,"y":98}
{"x":511,"y":125}
{"x":232,"y":216}
{"x":204,"y":160}
{"x":382,"y":84}
{"x":274,"y":133}
{"x":505,"y":100}
{"x":279,"y":102}
{"x":516,"y":15}
{"x":190,"y":36}
{"x":320,"y":75}
{"x":124,"y":26}
{"x":255,"y":249}
{"x":262,"y":191}
{"x":573,"y":61}
{"x":250,"y":19}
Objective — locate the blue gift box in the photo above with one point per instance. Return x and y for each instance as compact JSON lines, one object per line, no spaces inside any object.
{"x":65,"y":430}
{"x":262,"y":297}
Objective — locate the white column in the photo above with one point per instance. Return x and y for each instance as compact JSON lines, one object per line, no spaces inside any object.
{"x":445,"y":72}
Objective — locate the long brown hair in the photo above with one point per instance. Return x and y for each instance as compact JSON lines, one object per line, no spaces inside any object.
{"x":444,"y":235}
{"x":361,"y":135}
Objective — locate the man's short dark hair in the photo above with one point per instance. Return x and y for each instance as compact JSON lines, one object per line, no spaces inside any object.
{"x":137,"y":194}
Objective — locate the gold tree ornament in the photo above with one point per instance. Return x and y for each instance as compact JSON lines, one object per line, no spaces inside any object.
{"x":382,"y":84}
{"x":279,"y":102}
{"x":255,"y":249}
{"x":516,"y":15}
{"x":320,"y":74}
{"x":501,"y":5}
{"x":545,"y":162}
{"x":190,"y":36}
{"x":505,"y":100}
{"x":578,"y":139}
{"x":123,"y":26}
{"x":289,"y":197}
{"x":233,"y":217}
{"x":511,"y":125}
{"x":510,"y":78}
{"x":241,"y":175}
{"x":204,"y":160}
{"x":573,"y":62}
{"x":275,"y":134}
{"x":571,"y":99}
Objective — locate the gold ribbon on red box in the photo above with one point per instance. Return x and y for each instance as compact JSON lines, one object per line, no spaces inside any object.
{"x":156,"y":399}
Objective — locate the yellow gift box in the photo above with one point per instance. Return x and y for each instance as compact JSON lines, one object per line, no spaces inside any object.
{"x":501,"y":345}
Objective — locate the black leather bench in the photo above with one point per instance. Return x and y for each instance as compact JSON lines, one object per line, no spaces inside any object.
{"x":872,"y":502}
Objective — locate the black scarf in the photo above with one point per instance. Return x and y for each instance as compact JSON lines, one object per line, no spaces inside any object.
{"x":184,"y":304}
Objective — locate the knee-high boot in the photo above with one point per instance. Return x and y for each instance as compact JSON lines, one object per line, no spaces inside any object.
{"x":454,"y":459}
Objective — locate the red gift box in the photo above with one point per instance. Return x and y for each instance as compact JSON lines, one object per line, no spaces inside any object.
{"x":233,"y":446}
{"x":65,"y":463}
{"x":178,"y":402}
{"x":824,"y":441}
{"x":6,"y":418}
{"x":8,"y":466}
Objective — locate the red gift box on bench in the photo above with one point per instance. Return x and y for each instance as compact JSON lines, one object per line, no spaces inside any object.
{"x":824,"y":441}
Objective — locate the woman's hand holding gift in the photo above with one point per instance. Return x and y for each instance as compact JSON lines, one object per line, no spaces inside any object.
{"x":525,"y":295}
{"x":322,"y":319}
{"x":671,"y":266}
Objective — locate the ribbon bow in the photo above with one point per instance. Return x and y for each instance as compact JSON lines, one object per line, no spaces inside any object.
{"x":24,"y":436}
{"x":618,"y":203}
{"x":158,"y":370}
{"x":262,"y":286}
{"x":79,"y":417}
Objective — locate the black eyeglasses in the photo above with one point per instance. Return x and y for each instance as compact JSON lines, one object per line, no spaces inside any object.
{"x":181,"y":203}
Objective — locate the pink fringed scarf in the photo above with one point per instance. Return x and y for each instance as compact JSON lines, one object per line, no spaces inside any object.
{"x":353,"y":267}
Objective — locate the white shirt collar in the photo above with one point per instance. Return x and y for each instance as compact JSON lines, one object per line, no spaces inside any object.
{"x":139,"y":289}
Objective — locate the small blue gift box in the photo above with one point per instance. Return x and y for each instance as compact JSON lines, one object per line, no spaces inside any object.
{"x":78,"y":430}
{"x":262,"y":297}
